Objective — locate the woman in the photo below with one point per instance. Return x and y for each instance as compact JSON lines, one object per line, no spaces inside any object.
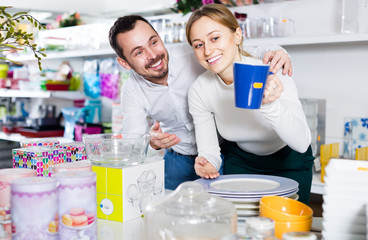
{"x":274,"y":139}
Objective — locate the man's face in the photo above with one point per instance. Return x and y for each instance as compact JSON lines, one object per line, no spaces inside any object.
{"x":145,"y":53}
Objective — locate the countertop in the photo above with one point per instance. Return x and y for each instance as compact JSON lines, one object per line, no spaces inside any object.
{"x":132,"y":230}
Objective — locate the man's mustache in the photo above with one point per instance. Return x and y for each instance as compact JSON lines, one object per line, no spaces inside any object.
{"x":153,"y":61}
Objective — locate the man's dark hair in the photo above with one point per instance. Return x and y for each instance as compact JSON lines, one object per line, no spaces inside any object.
{"x":122,"y":25}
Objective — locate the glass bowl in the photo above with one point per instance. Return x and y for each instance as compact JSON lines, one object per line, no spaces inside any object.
{"x":116,"y":150}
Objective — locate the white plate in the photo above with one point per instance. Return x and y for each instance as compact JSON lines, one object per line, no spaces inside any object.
{"x":258,"y":196}
{"x":246,"y":206}
{"x":248,"y":184}
{"x":247,"y":212}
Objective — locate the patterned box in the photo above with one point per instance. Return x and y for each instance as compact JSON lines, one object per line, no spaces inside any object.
{"x":122,"y":193}
{"x":38,"y":142}
{"x":355,"y":135}
{"x":38,"y":158}
{"x":72,"y":152}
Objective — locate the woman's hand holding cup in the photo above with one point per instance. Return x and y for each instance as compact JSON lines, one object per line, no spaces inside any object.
{"x":273,"y":89}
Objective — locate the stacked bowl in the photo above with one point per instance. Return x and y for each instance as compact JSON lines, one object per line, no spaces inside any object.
{"x":289,"y":215}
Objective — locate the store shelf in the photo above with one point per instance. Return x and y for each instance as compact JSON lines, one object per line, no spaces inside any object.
{"x":63,"y":54}
{"x":283,"y":41}
{"x":309,"y":40}
{"x":14,"y":137}
{"x":17,"y":137}
{"x":41,"y":94}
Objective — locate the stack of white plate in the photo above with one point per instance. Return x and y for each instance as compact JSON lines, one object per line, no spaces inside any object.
{"x":345,"y":200}
{"x":245,"y":190}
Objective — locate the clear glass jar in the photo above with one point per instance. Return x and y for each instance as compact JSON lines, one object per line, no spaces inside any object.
{"x":261,"y":227}
{"x":189,"y":213}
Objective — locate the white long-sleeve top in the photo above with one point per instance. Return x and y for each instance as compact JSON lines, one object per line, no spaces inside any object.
{"x":262,"y":132}
{"x":168,"y":104}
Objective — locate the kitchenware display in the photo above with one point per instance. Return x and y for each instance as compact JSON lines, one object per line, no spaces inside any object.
{"x":34,"y":204}
{"x":289,"y":215}
{"x":116,"y":150}
{"x":344,"y":207}
{"x":246,"y":190}
{"x":249,"y":83}
{"x":190,"y":213}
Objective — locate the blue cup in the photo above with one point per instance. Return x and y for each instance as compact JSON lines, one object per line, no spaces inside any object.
{"x":249,"y":84}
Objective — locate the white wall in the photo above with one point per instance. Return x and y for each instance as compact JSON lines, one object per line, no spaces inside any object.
{"x":335,"y":72}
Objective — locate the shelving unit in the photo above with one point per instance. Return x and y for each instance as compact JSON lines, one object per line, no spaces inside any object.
{"x":309,"y":40}
{"x":71,"y":95}
{"x":282,"y":41}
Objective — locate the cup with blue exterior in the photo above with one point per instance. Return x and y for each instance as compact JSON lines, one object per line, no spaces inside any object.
{"x":249,"y":84}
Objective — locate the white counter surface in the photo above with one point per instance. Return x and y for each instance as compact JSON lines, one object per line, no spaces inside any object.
{"x":133,"y":230}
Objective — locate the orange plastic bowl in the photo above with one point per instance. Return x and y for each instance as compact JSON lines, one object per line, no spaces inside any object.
{"x":299,"y":226}
{"x":284,"y":209}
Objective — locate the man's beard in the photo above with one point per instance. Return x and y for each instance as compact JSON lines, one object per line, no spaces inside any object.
{"x":160,"y":75}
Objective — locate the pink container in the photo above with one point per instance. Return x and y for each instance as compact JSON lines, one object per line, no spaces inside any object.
{"x":72,"y":166}
{"x":77,"y":205}
{"x":6,"y":176}
{"x":34,"y":204}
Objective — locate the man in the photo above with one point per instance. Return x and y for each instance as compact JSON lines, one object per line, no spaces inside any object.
{"x":157,"y":89}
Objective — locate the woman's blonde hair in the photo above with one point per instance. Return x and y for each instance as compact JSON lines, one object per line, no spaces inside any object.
{"x":218,"y":13}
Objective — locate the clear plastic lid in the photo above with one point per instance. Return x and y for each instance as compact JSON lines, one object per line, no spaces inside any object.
{"x":190,"y":212}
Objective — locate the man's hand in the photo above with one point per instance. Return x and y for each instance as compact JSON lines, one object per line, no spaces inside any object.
{"x":273,"y":89}
{"x":277,"y":60}
{"x":205,"y":169}
{"x":162,"y":140}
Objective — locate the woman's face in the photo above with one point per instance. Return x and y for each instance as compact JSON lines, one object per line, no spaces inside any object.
{"x":215,"y":46}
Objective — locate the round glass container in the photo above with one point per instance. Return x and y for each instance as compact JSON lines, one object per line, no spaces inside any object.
{"x":116,"y":150}
{"x":190,"y":213}
{"x":260,"y":227}
{"x":34,"y":204}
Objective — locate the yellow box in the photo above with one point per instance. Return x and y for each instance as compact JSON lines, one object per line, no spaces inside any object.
{"x":122,"y":193}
